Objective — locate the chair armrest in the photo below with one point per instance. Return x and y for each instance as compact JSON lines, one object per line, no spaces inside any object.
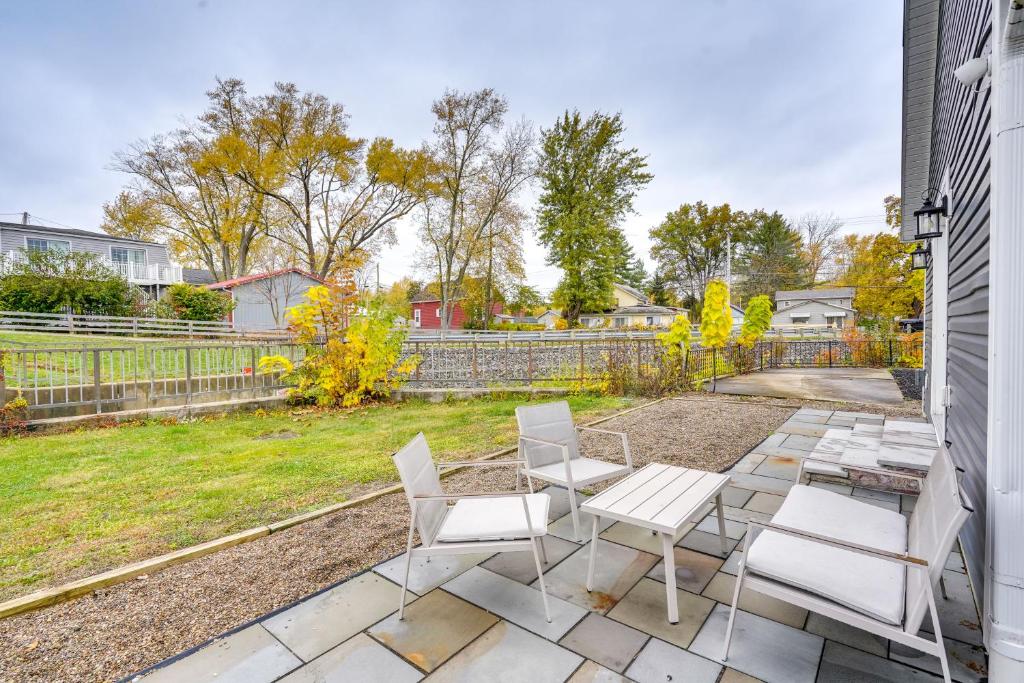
{"x":859,"y":468}
{"x":477,"y":463}
{"x":903,"y":559}
{"x":553,"y":444}
{"x":622,"y":435}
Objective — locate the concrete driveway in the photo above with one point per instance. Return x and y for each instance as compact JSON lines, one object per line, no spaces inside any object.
{"x":859,"y":385}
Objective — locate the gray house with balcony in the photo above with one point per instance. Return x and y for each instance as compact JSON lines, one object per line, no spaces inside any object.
{"x":146,"y":264}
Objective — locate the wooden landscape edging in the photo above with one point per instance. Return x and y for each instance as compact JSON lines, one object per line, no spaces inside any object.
{"x":74,"y":589}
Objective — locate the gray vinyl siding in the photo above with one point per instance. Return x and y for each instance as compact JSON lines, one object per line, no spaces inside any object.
{"x":920,"y":33}
{"x":13,"y":238}
{"x":261,"y":305}
{"x":960,"y":143}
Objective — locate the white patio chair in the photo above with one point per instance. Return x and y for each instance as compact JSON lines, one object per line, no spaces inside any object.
{"x":549,"y":443}
{"x":859,"y":564}
{"x":476,"y":523}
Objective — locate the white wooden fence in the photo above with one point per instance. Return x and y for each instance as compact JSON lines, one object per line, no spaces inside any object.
{"x":106,"y":324}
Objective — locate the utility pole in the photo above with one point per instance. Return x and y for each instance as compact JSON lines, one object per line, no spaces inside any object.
{"x":378,"y":277}
{"x":728,"y":263}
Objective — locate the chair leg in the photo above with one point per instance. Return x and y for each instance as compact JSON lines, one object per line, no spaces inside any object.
{"x":942,"y":587}
{"x":529,"y":483}
{"x":937,"y":629}
{"x":575,"y":512}
{"x":405,"y":577}
{"x":543,"y":551}
{"x":540,"y":580}
{"x":593,"y":554}
{"x":735,"y":605}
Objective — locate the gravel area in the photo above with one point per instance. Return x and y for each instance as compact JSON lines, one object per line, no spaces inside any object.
{"x":123,"y":629}
{"x":909,"y":380}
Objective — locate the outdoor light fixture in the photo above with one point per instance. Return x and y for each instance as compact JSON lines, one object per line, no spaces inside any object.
{"x":930,"y":218}
{"x":919,"y":257}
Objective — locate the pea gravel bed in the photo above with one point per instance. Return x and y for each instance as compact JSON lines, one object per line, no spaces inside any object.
{"x":120,"y":630}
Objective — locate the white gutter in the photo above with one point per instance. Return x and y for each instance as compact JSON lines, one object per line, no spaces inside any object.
{"x":1004,"y":590}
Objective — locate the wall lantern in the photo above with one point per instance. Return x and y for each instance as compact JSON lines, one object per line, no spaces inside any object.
{"x":929,"y":217}
{"x":919,"y":257}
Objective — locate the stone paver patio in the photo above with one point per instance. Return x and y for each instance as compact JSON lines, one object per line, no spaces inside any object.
{"x":857,"y":385}
{"x":479,"y":617}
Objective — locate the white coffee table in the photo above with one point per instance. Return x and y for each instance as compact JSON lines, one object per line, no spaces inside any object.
{"x":662,"y":498}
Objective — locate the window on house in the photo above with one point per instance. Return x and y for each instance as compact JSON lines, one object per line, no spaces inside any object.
{"x":35,"y":244}
{"x":619,"y":322}
{"x":439,"y":315}
{"x":416,"y":317}
{"x":650,"y":321}
{"x":130,"y":262}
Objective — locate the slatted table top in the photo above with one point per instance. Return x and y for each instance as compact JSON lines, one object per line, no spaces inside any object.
{"x":658,"y":497}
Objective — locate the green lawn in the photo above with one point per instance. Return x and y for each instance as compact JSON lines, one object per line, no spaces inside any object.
{"x":77,"y":503}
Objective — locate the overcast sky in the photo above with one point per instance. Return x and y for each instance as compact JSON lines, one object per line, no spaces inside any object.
{"x":788,"y":106}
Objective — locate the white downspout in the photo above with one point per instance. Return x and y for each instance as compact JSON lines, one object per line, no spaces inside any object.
{"x":1004,"y":592}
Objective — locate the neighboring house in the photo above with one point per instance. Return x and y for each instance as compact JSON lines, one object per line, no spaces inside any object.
{"x":426,"y":312}
{"x":146,"y":264}
{"x":549,"y":318}
{"x":831,"y":307}
{"x":737,"y":315}
{"x":197,"y":276}
{"x":963,"y":143}
{"x":632,"y":308}
{"x":261,"y":300}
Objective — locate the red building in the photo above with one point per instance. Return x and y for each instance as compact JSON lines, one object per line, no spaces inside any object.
{"x":426,"y":313}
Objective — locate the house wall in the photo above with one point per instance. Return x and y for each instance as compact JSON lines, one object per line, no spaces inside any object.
{"x":960,"y":146}
{"x":431,"y":320}
{"x":813,"y":309}
{"x":261,"y":305}
{"x":12,"y":238}
{"x":624,"y":298}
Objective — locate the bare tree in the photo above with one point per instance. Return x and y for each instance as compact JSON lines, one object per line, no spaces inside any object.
{"x":480,"y":166}
{"x":820,"y":233}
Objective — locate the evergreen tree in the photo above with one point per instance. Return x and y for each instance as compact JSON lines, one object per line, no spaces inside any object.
{"x":770,"y":259}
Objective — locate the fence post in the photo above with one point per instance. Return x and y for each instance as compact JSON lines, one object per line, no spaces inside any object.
{"x":714,"y":369}
{"x":476,"y":371}
{"x":3,"y":377}
{"x":188,"y":374}
{"x":191,"y":335}
{"x":686,"y":365}
{"x":890,"y":352}
{"x":96,"y":381}
{"x":71,"y":323}
{"x":416,"y":350}
{"x":135,"y":327}
{"x":830,"y":353}
{"x":582,"y":372}
{"x":529,"y":362}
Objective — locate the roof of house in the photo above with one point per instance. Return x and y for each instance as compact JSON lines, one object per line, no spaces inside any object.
{"x":72,"y":232}
{"x":631,"y":290}
{"x":737,"y":309}
{"x":789,"y":310}
{"x":833,"y":293}
{"x":197,"y":276}
{"x":637,"y":310}
{"x":245,"y":279}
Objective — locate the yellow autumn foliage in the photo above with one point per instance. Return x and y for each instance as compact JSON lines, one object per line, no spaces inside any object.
{"x":716,"y":316}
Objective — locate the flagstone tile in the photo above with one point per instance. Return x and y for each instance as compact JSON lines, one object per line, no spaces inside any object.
{"x":709,"y":544}
{"x":859,"y":457}
{"x":435,"y":627}
{"x":742,"y":515}
{"x":357,"y":659}
{"x":783,"y":451}
{"x":868,"y":428}
{"x":835,"y":488}
{"x":966,"y":662}
{"x":957,"y":614}
{"x":605,"y":641}
{"x":559,"y":505}
{"x":843,"y":663}
{"x":733,"y":530}
{"x":693,"y":570}
{"x":735,"y":497}
{"x":425,"y":576}
{"x":562,"y":527}
{"x":836,"y":421}
{"x":659,"y":662}
{"x":813,"y":419}
{"x":884,"y":504}
{"x":910,"y":457}
{"x":813,"y":411}
{"x":765,"y":502}
{"x":592,"y":672}
{"x":748,"y":462}
{"x":859,"y":492}
{"x":803,"y":428}
{"x":907,"y":502}
{"x":721,"y":589}
{"x":831,"y":629}
{"x":779,"y":467}
{"x":754,"y":482}
{"x":909,"y":439}
{"x":801,"y":443}
{"x":638,"y":537}
{"x":520,"y":566}
{"x":509,"y":654}
{"x":519,"y":604}
{"x":734,"y":676}
{"x":249,"y":656}
{"x":644,"y":608}
{"x":732,"y":563}
{"x":317,"y":624}
{"x":760,"y":647}
{"x":955,"y":562}
{"x":911,"y":426}
{"x":829,"y":447}
{"x":859,"y":416}
{"x":617,"y":569}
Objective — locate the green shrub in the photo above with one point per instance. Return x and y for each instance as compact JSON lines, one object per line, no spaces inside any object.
{"x":190,"y":302}
{"x":757,"y":320}
{"x":60,"y":282}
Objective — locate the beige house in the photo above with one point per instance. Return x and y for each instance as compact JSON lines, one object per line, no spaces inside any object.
{"x":632,"y":309}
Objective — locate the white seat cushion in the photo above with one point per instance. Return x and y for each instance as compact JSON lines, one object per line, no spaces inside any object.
{"x":489,"y":519}
{"x":869,"y":585}
{"x":584,"y":471}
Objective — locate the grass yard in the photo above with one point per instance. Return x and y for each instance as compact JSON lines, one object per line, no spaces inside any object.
{"x":78,"y":503}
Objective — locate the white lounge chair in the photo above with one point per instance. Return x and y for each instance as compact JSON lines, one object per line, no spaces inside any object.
{"x":477,"y":523}
{"x":548,"y":442}
{"x":859,"y":564}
